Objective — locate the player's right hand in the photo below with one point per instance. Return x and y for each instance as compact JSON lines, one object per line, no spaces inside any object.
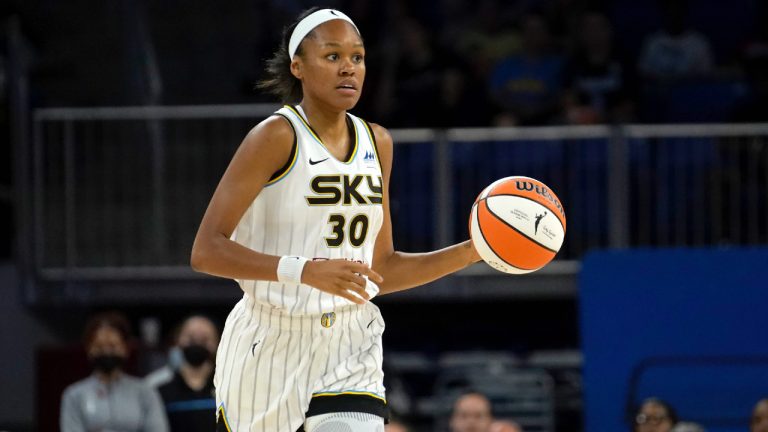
{"x":340,"y":277}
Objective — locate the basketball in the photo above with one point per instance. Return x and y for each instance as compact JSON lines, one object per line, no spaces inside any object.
{"x":517,"y":224}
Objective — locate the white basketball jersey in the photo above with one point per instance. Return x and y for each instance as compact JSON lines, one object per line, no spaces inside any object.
{"x":318,"y":207}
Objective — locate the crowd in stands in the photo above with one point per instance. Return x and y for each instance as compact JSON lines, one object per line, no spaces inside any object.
{"x":566,"y":62}
{"x":453,"y":63}
{"x":179,"y":396}
{"x":571,"y":62}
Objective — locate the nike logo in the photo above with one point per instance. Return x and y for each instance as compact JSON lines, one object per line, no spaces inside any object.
{"x":369,"y":324}
{"x":311,"y":162}
{"x":254,"y":347}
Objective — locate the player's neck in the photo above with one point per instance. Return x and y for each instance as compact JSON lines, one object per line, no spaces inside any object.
{"x":331,"y":125}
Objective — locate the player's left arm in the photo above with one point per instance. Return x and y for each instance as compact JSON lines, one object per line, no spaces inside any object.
{"x":402,"y":270}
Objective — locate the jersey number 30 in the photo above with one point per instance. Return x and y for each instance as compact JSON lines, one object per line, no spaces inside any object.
{"x":355,"y":231}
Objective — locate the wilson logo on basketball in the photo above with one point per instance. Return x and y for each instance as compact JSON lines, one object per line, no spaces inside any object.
{"x":517,"y":224}
{"x":527,"y":186}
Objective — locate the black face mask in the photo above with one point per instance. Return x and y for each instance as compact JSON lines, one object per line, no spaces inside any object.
{"x":107,"y":363}
{"x":196,"y":355}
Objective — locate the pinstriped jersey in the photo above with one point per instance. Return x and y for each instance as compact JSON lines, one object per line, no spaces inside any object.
{"x":316,"y":206}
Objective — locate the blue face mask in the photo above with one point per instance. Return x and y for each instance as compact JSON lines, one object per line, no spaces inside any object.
{"x":175,"y":358}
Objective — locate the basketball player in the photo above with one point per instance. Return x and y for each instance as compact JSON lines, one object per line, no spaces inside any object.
{"x":301,"y":220}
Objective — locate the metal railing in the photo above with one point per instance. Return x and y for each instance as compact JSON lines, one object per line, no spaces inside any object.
{"x":118,"y":192}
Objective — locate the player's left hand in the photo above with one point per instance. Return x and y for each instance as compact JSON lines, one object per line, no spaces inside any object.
{"x":340,"y":277}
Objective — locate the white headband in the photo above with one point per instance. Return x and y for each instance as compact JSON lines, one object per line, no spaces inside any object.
{"x":310,"y":22}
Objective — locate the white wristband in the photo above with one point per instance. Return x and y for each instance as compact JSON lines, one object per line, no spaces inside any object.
{"x":289,"y":269}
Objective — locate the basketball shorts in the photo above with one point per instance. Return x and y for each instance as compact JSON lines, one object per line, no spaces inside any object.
{"x":273,"y":369}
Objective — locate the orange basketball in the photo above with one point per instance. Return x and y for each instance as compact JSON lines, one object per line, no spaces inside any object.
{"x":517,"y":224}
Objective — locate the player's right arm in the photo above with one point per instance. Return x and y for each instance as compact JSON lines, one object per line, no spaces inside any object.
{"x":264,"y":150}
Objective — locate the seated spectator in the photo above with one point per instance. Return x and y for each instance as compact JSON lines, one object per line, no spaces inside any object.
{"x":395,"y":426}
{"x":675,"y":51}
{"x":687,"y":427}
{"x":109,"y":399}
{"x":597,"y":88}
{"x":489,"y":37}
{"x":505,"y":426}
{"x":415,"y":77}
{"x":527,"y":86}
{"x":188,"y":393}
{"x":759,"y":421}
{"x":655,"y":415}
{"x":471,"y":413}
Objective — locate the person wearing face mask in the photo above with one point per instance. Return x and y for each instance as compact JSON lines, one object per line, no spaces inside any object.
{"x":188,"y":393}
{"x":110,"y":399}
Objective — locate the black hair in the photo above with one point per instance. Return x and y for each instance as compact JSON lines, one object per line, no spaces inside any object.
{"x":280,"y":80}
{"x":671,"y":414}
{"x":176,"y":331}
{"x":472,"y":392}
{"x":110,"y":319}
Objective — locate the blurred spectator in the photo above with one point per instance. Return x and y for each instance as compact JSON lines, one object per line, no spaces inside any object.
{"x":597,"y":89}
{"x":505,"y":426}
{"x":478,"y":45}
{"x":675,"y":51}
{"x":527,"y":86}
{"x":759,"y":421}
{"x":755,"y":64}
{"x":655,"y":415}
{"x":395,"y":426}
{"x":459,"y":103}
{"x":489,"y":37}
{"x":188,"y":392}
{"x":110,"y":399}
{"x":414,"y":80}
{"x":564,"y":17}
{"x":471,"y":413}
{"x":687,"y":427}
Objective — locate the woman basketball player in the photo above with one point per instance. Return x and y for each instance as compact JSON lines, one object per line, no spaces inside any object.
{"x":301,"y":220}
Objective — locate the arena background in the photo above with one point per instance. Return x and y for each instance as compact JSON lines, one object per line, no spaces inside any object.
{"x":120,"y":116}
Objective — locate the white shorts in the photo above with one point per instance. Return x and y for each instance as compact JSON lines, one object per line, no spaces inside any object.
{"x":273,"y":370}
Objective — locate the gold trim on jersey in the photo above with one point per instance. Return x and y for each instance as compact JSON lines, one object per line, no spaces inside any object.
{"x":317,"y":138}
{"x":294,"y":150}
{"x":223,"y":417}
{"x":351,"y":392}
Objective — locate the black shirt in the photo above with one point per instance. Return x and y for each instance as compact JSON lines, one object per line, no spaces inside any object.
{"x":189,"y":410}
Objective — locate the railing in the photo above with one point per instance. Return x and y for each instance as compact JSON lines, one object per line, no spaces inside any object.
{"x":119,"y":192}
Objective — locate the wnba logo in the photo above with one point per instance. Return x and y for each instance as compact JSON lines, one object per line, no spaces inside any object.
{"x":327,"y":319}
